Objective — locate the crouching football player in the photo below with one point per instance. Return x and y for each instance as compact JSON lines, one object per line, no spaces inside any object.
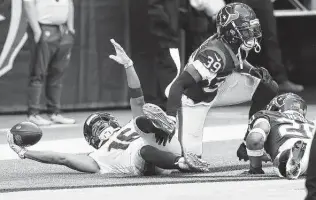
{"x":283,"y":132}
{"x":130,"y":149}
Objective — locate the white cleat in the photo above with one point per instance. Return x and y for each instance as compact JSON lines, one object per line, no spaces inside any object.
{"x":293,"y":165}
{"x":159,"y":118}
{"x":38,"y":120}
{"x":59,"y":119}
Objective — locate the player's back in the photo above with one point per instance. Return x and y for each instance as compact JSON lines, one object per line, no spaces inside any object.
{"x":285,"y":126}
{"x":216,"y":59}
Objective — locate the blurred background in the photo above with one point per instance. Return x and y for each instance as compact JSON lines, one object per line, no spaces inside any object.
{"x":94,"y":82}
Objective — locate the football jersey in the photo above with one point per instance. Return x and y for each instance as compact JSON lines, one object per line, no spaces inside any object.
{"x":214,"y":61}
{"x":122,"y":138}
{"x":284,"y":126}
{"x":120,"y":154}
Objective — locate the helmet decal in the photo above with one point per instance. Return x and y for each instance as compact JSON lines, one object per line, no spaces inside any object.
{"x":225,"y":17}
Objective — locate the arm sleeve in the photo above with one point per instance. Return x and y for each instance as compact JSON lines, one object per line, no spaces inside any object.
{"x":176,"y":91}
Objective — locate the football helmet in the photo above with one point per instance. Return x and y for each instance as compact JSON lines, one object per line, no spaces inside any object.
{"x":239,"y":27}
{"x":286,"y":102}
{"x":98,"y":128}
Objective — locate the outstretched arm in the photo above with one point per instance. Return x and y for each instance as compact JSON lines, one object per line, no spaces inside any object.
{"x":82,"y":163}
{"x":134,"y":87}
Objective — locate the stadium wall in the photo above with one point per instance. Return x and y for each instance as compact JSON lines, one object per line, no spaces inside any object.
{"x":93,"y":81}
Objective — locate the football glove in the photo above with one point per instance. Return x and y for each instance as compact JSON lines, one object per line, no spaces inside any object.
{"x":121,"y":57}
{"x":17,"y":149}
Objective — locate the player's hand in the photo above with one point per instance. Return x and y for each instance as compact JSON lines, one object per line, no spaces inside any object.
{"x":161,"y":139}
{"x":17,"y":149}
{"x":121,"y":57}
{"x":265,"y":74}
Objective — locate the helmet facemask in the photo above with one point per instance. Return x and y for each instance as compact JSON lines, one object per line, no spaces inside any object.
{"x":101,"y":129}
{"x":249,"y":36}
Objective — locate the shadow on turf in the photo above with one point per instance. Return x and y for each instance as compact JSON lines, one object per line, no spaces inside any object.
{"x":174,"y":178}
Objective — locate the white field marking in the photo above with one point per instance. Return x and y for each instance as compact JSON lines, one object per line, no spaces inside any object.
{"x":4,"y":130}
{"x":79,"y":145}
{"x":248,"y":190}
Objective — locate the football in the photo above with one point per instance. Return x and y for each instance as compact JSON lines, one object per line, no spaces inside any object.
{"x":26,"y":134}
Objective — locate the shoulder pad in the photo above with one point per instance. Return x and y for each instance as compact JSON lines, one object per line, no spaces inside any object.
{"x":269,"y":115}
{"x":212,"y":59}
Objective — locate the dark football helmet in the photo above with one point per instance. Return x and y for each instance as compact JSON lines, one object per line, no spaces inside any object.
{"x":98,"y":127}
{"x":239,"y":27}
{"x":288,"y":101}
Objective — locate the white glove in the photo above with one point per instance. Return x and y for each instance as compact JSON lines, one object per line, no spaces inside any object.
{"x":120,"y":56}
{"x":17,"y":149}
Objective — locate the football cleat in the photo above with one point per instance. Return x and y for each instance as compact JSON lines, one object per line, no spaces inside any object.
{"x":195,"y":163}
{"x":159,"y":118}
{"x":293,"y":165}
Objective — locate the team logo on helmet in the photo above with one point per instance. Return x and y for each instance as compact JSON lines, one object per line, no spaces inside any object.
{"x":226,"y":15}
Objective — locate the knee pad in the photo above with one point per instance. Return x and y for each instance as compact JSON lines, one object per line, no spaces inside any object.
{"x":255,"y":142}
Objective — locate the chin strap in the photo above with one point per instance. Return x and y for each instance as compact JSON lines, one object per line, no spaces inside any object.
{"x":257,"y":46}
{"x":241,"y":64}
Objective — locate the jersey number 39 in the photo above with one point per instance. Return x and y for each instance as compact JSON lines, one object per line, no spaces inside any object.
{"x":214,"y":62}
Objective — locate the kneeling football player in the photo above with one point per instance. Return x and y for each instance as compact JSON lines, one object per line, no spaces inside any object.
{"x":130,"y":149}
{"x":283,"y":132}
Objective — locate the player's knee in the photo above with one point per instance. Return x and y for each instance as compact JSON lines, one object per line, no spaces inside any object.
{"x":146,"y":151}
{"x":255,"y":141}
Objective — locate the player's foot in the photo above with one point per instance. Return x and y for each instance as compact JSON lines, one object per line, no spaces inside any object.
{"x":159,"y":118}
{"x":293,"y":165}
{"x":195,"y":163}
{"x":38,"y":120}
{"x":59,"y":119}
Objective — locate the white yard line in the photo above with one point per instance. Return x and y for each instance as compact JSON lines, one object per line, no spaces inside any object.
{"x":247,"y":190}
{"x":3,"y":130}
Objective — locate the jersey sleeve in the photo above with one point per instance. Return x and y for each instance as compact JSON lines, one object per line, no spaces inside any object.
{"x":258,"y":115}
{"x":208,"y":63}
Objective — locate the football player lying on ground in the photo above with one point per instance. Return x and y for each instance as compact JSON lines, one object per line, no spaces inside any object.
{"x":217,"y":74}
{"x":131,"y":149}
{"x":283,"y":132}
